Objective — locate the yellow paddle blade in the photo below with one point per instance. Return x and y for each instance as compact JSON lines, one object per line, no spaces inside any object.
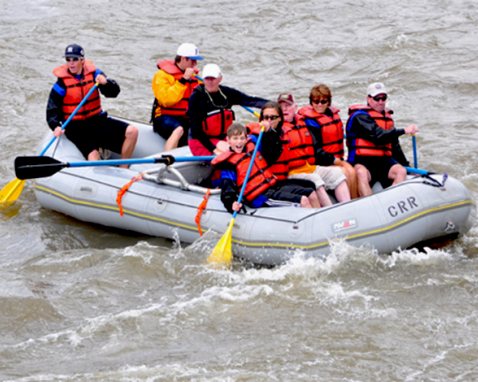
{"x":221,"y":255}
{"x":10,"y":193}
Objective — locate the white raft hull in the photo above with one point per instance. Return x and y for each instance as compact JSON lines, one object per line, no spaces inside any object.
{"x":399,"y":217}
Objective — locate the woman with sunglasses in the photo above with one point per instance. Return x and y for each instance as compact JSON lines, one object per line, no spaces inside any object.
{"x":275,"y":149}
{"x":372,"y":141}
{"x":90,"y":128}
{"x":324,"y":124}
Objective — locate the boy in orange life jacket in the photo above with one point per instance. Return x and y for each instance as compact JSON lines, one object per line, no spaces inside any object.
{"x":373,"y":143}
{"x":91,"y":128}
{"x":172,"y":86}
{"x":261,"y":189}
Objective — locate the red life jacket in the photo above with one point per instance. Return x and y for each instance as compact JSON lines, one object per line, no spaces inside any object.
{"x":180,"y":108}
{"x":299,"y":145}
{"x":260,"y":178}
{"x":76,"y":89}
{"x":364,"y":147}
{"x":216,"y":123}
{"x":331,"y":129}
{"x":280,"y":168}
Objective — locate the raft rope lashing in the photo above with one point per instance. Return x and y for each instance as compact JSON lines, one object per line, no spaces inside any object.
{"x":201,"y":209}
{"x":124,"y":189}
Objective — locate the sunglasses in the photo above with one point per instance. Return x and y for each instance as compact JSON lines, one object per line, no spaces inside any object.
{"x":270,"y":117}
{"x":380,"y":98}
{"x":69,"y":59}
{"x":321,"y":101}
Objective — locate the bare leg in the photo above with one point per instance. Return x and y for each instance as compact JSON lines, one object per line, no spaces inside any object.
{"x":173,"y":141}
{"x":314,"y":200}
{"x":351,"y":178}
{"x":342,"y":192}
{"x":397,"y":173}
{"x":363,"y":180}
{"x":131,"y":137}
{"x":304,"y":202}
{"x":324,"y":198}
{"x":94,"y":155}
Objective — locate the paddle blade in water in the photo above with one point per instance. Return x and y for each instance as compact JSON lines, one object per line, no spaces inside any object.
{"x":221,"y":255}
{"x":11,"y":192}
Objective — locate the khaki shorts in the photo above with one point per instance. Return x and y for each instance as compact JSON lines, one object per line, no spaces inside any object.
{"x":328,"y":176}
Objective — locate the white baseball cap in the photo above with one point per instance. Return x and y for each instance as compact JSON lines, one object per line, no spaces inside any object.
{"x":189,"y":50}
{"x":375,"y":89}
{"x":211,"y":70}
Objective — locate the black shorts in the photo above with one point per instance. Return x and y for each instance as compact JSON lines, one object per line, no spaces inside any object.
{"x":290,"y":190}
{"x":164,"y":125}
{"x":379,"y":167}
{"x":97,"y":132}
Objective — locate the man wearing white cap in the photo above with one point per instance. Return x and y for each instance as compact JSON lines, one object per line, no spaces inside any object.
{"x":210,"y":111}
{"x":372,"y":142}
{"x":172,"y":86}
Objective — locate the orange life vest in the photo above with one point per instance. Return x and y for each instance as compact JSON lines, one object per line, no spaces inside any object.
{"x":298,"y":145}
{"x":76,"y":89}
{"x":180,"y":108}
{"x":260,"y":178}
{"x":331,"y":129}
{"x":280,"y":168}
{"x":359,"y":146}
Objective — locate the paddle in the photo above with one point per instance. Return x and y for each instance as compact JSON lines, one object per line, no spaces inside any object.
{"x":222,"y":253}
{"x":418,"y":171}
{"x":415,"y":151}
{"x":11,"y":192}
{"x":28,"y":167}
{"x":244,"y":107}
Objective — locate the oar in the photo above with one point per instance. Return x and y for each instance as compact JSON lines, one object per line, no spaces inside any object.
{"x":11,"y":192}
{"x":418,"y":171}
{"x":28,"y":167}
{"x":222,"y":253}
{"x":415,"y":151}
{"x":244,"y":107}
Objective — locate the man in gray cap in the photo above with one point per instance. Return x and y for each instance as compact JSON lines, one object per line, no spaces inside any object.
{"x":372,"y":142}
{"x":90,"y":128}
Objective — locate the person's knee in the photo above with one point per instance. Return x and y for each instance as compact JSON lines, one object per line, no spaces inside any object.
{"x":131,"y":132}
{"x":397,"y":172}
{"x":94,"y":155}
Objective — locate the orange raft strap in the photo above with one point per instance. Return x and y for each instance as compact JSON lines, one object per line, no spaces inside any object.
{"x":124,"y":189}
{"x":201,"y":208}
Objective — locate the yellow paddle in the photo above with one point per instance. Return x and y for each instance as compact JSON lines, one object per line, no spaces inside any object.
{"x":11,"y":192}
{"x":221,"y":255}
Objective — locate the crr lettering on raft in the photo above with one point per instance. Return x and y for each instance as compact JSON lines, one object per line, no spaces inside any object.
{"x":403,"y":206}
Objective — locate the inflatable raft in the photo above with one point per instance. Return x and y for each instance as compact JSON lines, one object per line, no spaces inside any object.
{"x":165,"y":203}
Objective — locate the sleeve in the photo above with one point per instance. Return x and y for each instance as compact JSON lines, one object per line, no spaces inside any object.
{"x":54,"y":108}
{"x":322,"y":157}
{"x":229,"y":193}
{"x":368,"y":129}
{"x":398,"y":155}
{"x":271,"y":146}
{"x":166,"y":89}
{"x":236,"y":97}
{"x":196,"y":114}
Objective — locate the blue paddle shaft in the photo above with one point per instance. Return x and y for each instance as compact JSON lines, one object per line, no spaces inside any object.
{"x":119,"y":162}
